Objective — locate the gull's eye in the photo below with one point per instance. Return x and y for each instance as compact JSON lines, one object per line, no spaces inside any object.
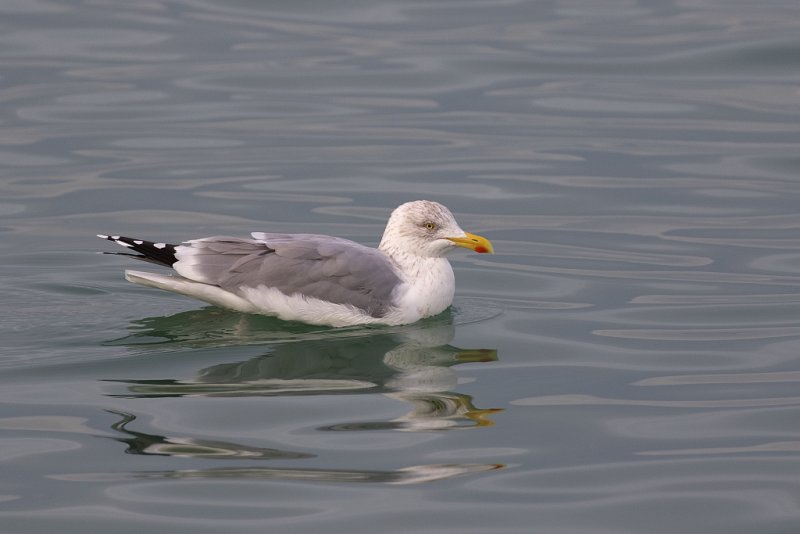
{"x":430,"y":226}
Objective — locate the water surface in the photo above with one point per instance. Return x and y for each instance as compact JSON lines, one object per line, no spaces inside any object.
{"x":626,"y":362}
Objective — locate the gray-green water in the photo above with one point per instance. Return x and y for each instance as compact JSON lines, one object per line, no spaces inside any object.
{"x":628,"y":361}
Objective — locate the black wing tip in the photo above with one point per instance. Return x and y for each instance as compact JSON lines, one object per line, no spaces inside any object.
{"x":160,"y":253}
{"x":118,"y":239}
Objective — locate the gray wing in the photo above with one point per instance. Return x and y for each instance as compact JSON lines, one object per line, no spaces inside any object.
{"x":327,"y":268}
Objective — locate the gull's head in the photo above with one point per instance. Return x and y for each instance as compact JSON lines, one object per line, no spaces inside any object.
{"x":426,"y":228}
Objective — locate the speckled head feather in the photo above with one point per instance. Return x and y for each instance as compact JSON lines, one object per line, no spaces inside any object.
{"x":420,"y":228}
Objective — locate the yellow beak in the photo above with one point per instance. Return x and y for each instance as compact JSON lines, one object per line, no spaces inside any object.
{"x":479,"y":244}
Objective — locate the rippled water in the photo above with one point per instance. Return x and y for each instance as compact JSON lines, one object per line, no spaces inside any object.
{"x":627,"y":361}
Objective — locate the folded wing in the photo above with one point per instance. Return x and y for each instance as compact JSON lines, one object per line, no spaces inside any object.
{"x":322,"y":267}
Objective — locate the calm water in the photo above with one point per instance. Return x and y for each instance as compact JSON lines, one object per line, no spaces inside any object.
{"x":628,"y":361}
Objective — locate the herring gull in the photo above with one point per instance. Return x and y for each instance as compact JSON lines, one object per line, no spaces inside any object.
{"x":319,"y":279}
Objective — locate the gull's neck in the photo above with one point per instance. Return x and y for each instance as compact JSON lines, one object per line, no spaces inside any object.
{"x":429,"y":283}
{"x":414,"y":266}
{"x":403,"y":255}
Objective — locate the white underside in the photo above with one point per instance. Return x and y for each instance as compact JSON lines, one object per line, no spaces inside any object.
{"x":414,"y":302}
{"x":178,"y":284}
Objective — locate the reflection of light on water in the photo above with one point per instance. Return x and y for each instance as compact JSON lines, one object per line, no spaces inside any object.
{"x":406,"y":475}
{"x":414,"y":474}
{"x":251,"y":388}
{"x":184,"y":447}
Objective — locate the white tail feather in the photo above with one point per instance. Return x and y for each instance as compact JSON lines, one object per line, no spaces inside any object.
{"x":178,"y":284}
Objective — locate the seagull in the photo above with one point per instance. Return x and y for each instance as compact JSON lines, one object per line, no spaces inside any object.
{"x":319,"y":279}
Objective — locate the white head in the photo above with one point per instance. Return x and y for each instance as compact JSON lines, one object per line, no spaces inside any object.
{"x":428,"y":229}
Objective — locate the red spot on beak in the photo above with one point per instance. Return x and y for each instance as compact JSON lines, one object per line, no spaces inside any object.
{"x":481,"y":250}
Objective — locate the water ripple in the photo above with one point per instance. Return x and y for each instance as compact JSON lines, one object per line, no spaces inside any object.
{"x":632,"y":345}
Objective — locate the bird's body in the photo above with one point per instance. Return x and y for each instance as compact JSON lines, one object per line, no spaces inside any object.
{"x":319,"y":279}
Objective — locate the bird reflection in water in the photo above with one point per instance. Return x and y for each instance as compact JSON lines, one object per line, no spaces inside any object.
{"x":412,"y":364}
{"x":157,"y":445}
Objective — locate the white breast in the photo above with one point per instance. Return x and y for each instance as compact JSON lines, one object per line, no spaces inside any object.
{"x":428,"y":291}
